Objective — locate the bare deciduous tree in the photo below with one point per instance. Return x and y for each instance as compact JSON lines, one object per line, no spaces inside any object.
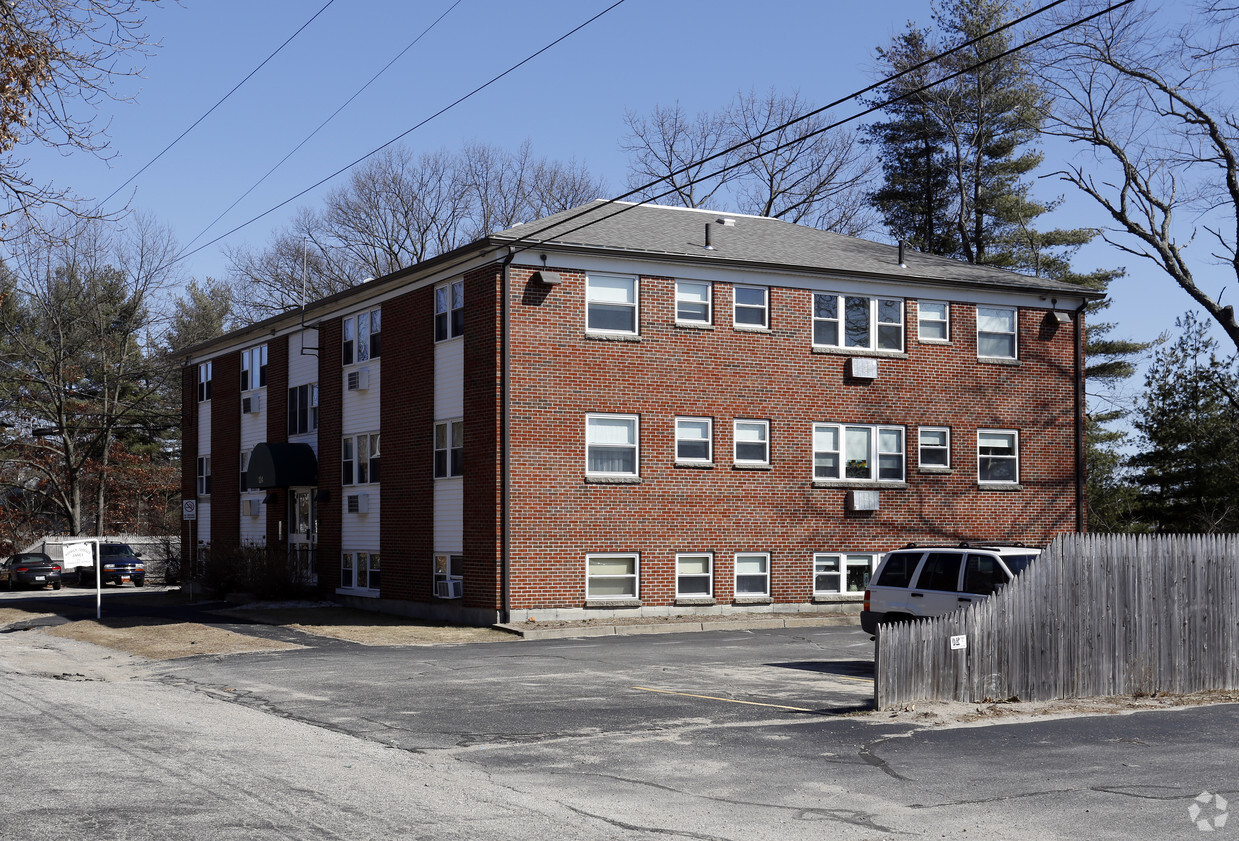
{"x":1157,"y":108}
{"x":58,"y":60}
{"x":799,"y":172}
{"x":397,"y":210}
{"x":72,"y":362}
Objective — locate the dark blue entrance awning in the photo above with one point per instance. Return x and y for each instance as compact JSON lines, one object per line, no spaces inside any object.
{"x":282,"y":466}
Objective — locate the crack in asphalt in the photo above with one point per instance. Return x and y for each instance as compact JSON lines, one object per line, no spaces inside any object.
{"x":880,"y":763}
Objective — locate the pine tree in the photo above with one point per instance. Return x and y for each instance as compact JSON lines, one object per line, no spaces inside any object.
{"x":1189,"y":459}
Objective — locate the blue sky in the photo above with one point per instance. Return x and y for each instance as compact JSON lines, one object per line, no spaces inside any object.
{"x":569,"y":102}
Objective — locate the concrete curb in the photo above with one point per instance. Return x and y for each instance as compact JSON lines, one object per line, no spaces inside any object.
{"x":531,"y":631}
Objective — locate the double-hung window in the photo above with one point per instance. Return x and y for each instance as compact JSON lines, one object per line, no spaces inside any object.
{"x":694,"y":440}
{"x":693,"y":303}
{"x":848,"y":321}
{"x":612,"y":445}
{"x":934,"y":321}
{"x":934,"y":443}
{"x":996,"y":333}
{"x":751,"y":307}
{"x":204,"y":382}
{"x":359,"y":459}
{"x":204,"y":475}
{"x":998,"y":456}
{"x":449,"y":449}
{"x":254,"y":367}
{"x":837,"y":572}
{"x":694,"y":575}
{"x":359,"y":570}
{"x":611,"y":304}
{"x":449,"y":310}
{"x":753,"y":574}
{"x":860,"y":453}
{"x":303,"y":409}
{"x":752,"y":442}
{"x":362,"y":334}
{"x":611,"y":576}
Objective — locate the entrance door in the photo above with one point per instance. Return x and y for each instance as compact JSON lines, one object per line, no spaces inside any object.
{"x":303,"y":533}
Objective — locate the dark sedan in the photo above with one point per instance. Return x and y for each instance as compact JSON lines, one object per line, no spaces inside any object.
{"x":30,"y":569}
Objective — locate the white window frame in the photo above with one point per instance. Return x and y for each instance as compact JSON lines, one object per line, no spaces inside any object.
{"x":448,"y":450}
{"x":875,"y":325}
{"x":204,"y":382}
{"x":680,"y":288}
{"x":1014,"y":458}
{"x":204,"y":475}
{"x":373,"y":459}
{"x":1014,"y":333}
{"x":355,"y":560}
{"x":764,"y":425}
{"x":709,"y":440}
{"x":842,"y":563}
{"x":874,"y":459}
{"x":449,"y":310}
{"x":635,"y":576}
{"x":245,"y":463}
{"x":448,"y":566}
{"x":254,"y":368}
{"x":708,"y":575}
{"x":765,"y":574}
{"x":352,"y":349}
{"x":922,"y":447}
{"x":635,"y":446}
{"x":295,"y":416}
{"x":634,"y":305}
{"x":945,"y":321}
{"x":763,"y":307}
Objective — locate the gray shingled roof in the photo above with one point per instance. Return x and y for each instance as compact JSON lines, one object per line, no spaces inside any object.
{"x":676,"y":232}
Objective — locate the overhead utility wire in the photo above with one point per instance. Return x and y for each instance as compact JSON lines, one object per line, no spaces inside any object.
{"x":321,"y":125}
{"x":403,"y":134}
{"x":870,"y":110}
{"x":195,"y":123}
{"x":627,"y":207}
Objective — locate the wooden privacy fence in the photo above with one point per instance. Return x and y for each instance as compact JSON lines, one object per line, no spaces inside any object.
{"x":1093,"y":615}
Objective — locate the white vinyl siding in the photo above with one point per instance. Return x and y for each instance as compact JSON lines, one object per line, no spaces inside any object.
{"x":449,"y":516}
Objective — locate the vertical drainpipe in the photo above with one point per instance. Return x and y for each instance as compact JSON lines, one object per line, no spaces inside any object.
{"x":1081,"y":475}
{"x":505,"y":457}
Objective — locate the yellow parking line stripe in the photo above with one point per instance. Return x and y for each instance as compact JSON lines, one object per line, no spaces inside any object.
{"x":728,"y":700}
{"x":861,"y":679}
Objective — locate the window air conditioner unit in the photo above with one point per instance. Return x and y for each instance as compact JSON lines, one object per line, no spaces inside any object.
{"x":450,"y":589}
{"x":359,"y":380}
{"x":864,"y":368}
{"x":864,"y":500}
{"x":251,"y":507}
{"x":251,"y":405}
{"x":358,"y":503}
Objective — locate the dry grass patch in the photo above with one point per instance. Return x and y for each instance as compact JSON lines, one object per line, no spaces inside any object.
{"x":367,"y":628}
{"x":159,"y":640}
{"x":13,"y":615}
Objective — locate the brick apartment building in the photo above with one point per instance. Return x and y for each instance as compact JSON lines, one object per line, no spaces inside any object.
{"x":670,"y":411}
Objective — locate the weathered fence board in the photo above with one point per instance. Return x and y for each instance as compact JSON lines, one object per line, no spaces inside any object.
{"x":1094,"y":615}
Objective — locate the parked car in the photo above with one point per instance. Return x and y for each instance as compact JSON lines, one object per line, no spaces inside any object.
{"x":918,"y":581}
{"x":30,"y":569}
{"x":119,"y":564}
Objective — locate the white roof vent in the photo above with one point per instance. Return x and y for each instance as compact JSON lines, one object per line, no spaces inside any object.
{"x":727,"y":222}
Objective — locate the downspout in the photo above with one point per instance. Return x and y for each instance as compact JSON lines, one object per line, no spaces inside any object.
{"x":505,"y":450}
{"x":1081,"y":474}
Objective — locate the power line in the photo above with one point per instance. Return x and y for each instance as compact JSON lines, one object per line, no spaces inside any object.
{"x":195,"y":123}
{"x":321,"y":125}
{"x":403,"y":134}
{"x":877,"y":107}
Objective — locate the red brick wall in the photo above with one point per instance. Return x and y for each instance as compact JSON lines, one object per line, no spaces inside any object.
{"x":226,"y":451}
{"x":560,"y":375}
{"x":330,"y":398}
{"x":481,"y":457}
{"x":406,"y":424}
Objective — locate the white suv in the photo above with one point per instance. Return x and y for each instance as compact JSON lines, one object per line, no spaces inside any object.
{"x":918,"y":581}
